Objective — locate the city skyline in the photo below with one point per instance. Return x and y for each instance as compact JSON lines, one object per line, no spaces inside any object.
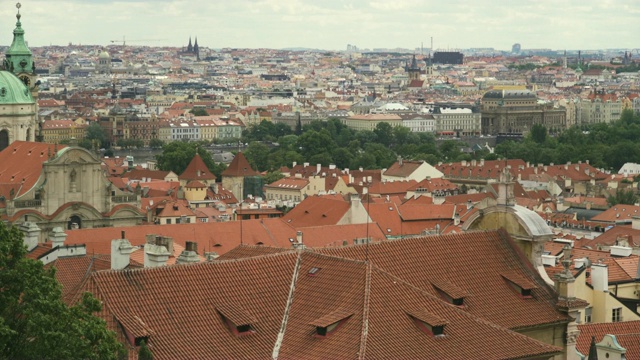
{"x":331,"y":24}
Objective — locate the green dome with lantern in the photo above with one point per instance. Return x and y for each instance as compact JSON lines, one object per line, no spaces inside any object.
{"x":19,"y":58}
{"x":13,"y":90}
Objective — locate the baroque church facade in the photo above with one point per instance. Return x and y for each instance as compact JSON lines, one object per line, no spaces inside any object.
{"x":45,"y":184}
{"x":18,"y":92}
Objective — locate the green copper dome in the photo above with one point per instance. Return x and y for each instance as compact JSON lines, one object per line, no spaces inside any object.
{"x":19,"y":57}
{"x":12,"y":90}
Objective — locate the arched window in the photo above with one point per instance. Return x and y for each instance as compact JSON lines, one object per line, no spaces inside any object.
{"x":74,"y":223}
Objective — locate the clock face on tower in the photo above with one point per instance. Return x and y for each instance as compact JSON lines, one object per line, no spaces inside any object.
{"x":25,"y":79}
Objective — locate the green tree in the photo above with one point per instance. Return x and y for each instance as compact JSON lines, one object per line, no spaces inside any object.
{"x":384,"y":133}
{"x":539,"y":133}
{"x":144,"y":353}
{"x":34,"y":321}
{"x":96,"y":132}
{"x":257,"y":154}
{"x":272,"y":176}
{"x":156,"y":143}
{"x":622,"y":196}
{"x":199,"y":111}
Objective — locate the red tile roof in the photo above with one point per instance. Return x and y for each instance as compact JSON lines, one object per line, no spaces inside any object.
{"x":474,"y":262}
{"x":317,"y":211}
{"x":406,"y":169}
{"x":159,"y":303}
{"x":239,"y":166}
{"x":627,"y":333}
{"x":21,"y":166}
{"x":197,"y":170}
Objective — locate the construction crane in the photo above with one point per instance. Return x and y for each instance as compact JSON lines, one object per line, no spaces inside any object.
{"x":124,"y":41}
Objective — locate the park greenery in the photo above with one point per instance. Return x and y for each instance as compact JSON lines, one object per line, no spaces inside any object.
{"x":34,"y":321}
{"x":606,"y":146}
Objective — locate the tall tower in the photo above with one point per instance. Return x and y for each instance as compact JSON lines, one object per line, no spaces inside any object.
{"x":196,"y":49}
{"x":189,"y":47}
{"x":19,"y":59}
{"x":18,"y":92}
{"x":429,"y":65}
{"x":414,"y":70}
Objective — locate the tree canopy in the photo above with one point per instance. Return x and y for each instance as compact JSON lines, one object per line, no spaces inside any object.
{"x":34,"y":321}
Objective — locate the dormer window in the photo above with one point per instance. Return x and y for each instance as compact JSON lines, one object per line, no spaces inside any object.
{"x":450,"y":293}
{"x":427,"y":322}
{"x":330,"y":323}
{"x":237,"y":319}
{"x":520,"y":285}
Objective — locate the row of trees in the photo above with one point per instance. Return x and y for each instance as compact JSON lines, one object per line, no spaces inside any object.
{"x":607,"y":146}
{"x":331,"y":142}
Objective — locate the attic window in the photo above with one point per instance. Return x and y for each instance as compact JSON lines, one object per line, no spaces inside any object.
{"x":239,"y":321}
{"x":427,"y":322}
{"x":450,"y":292}
{"x":313,"y":271}
{"x":521,"y":285}
{"x":328,"y":324}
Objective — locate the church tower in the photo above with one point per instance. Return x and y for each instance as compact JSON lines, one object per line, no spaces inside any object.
{"x":189,"y":47}
{"x":196,"y":49}
{"x":429,"y":66}
{"x":414,"y":70}
{"x":19,"y":59}
{"x":18,"y":92}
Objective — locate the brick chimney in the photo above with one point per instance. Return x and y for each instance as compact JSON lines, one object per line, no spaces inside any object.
{"x":31,"y":232}
{"x":190,"y":254}
{"x":121,"y":250}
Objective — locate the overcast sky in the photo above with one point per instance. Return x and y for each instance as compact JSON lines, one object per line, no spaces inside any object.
{"x":330,"y":24}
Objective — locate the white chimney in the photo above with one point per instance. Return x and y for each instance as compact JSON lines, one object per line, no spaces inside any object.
{"x":617,"y":250}
{"x":299,"y":237}
{"x":156,"y":253}
{"x":57,"y":237}
{"x":294,"y":164}
{"x":549,"y":260}
{"x":635,"y":223}
{"x":600,"y":277}
{"x":579,"y":263}
{"x":318,"y":168}
{"x":31,"y":232}
{"x":121,"y":250}
{"x":190,"y":254}
{"x":332,"y":166}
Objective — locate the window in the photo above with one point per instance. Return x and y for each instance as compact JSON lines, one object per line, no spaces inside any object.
{"x":587,"y":315}
{"x":427,"y":322}
{"x":616,"y":315}
{"x":168,"y":221}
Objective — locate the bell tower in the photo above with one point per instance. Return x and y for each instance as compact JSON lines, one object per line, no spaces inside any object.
{"x":19,"y":59}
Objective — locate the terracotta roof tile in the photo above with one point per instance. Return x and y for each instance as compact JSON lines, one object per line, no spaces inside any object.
{"x":21,"y":165}
{"x":239,"y":166}
{"x":197,"y":170}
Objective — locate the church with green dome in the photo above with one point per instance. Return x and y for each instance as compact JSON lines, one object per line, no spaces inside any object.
{"x":18,"y":92}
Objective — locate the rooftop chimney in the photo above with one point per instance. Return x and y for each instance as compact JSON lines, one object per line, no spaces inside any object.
{"x":121,"y":250}
{"x":600,"y":277}
{"x":57,"y":237}
{"x":298,"y":244}
{"x":155,"y":255}
{"x":190,"y":254}
{"x":318,"y":168}
{"x":31,"y":232}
